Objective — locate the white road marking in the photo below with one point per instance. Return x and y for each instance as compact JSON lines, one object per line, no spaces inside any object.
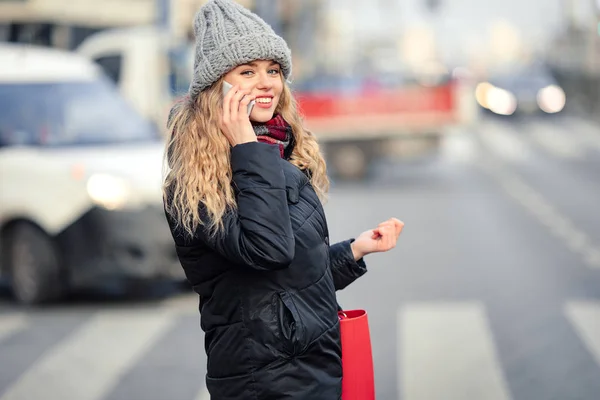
{"x":585,"y":317}
{"x":556,"y":222}
{"x":446,"y":351}
{"x":555,"y":140}
{"x":11,"y":324}
{"x":458,"y":147}
{"x":203,"y":394}
{"x":504,"y":142}
{"x":592,"y":257}
{"x":587,"y":132}
{"x":186,"y":304}
{"x":87,"y":364}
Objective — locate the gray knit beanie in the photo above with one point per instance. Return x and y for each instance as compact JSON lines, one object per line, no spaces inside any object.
{"x":228,"y":35}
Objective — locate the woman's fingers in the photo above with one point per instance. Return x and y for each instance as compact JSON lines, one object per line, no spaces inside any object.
{"x":226,"y":117}
{"x":236,"y":104}
{"x":389,"y":236}
{"x":399,"y":225}
{"x":394,"y":222}
{"x":244,"y":104}
{"x":235,"y":123}
{"x":386,"y":234}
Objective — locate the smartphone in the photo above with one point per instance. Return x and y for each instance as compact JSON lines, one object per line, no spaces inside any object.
{"x":227,"y":87}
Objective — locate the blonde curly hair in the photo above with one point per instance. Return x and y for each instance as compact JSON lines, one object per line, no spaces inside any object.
{"x":198,"y":159}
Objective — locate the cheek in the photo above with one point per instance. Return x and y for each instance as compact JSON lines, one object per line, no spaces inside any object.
{"x":233,"y":78}
{"x":277,"y":100}
{"x":278,"y":89}
{"x":278,"y":92}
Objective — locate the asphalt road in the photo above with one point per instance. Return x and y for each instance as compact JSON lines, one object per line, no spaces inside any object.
{"x":493,"y":291}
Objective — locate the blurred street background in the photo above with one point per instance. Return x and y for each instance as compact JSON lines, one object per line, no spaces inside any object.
{"x":476,"y":123}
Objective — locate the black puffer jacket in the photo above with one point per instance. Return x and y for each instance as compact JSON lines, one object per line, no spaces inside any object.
{"x":267,"y":286}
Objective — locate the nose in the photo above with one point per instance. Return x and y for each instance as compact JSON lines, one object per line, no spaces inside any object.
{"x":264,"y":81}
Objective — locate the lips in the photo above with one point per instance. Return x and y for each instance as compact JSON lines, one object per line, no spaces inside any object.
{"x":264,"y":101}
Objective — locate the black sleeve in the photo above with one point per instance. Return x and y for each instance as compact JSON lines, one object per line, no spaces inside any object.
{"x":259,"y":233}
{"x":344,"y":268}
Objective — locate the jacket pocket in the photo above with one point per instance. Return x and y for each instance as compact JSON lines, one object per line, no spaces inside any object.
{"x":293,"y":194}
{"x":232,"y":388}
{"x":290,"y":324}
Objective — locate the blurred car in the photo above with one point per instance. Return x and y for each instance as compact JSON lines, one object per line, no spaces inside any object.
{"x":80,"y":179}
{"x":361,"y":118}
{"x":523,"y":89}
{"x":150,"y":67}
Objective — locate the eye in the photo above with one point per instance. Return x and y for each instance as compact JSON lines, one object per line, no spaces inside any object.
{"x":247,"y":72}
{"x":274,"y":71}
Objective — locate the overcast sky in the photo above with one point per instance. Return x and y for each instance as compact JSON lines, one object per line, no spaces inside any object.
{"x":457,"y":22}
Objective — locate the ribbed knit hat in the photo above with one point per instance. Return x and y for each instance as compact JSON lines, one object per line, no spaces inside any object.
{"x":228,"y":35}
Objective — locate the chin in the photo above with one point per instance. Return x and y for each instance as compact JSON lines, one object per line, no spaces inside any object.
{"x":261,"y":116}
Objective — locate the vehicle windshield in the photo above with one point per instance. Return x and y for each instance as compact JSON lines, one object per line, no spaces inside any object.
{"x":181,"y":69}
{"x":529,"y":76}
{"x":69,"y":114}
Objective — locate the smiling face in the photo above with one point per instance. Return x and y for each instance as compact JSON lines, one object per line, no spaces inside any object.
{"x":263,"y":79}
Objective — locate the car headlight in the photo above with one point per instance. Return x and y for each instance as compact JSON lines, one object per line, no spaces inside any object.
{"x":551,"y":99}
{"x":481,"y":93}
{"x":501,"y":101}
{"x":108,"y":191}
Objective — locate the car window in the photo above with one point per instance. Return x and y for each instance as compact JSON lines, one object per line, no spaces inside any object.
{"x":181,"y":65}
{"x":71,"y":113}
{"x":112,"y":66}
{"x":25,"y":118}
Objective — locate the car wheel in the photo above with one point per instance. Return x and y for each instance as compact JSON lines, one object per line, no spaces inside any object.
{"x":33,"y":264}
{"x":349,"y":161}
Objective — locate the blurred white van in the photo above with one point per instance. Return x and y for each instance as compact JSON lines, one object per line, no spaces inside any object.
{"x":149,"y":66}
{"x":80,"y":179}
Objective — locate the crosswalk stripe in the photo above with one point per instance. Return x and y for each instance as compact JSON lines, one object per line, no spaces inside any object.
{"x":87,"y":364}
{"x":503,"y":141}
{"x":588,"y":132}
{"x":10,"y":324}
{"x":173,"y":368}
{"x":585,"y":317}
{"x":203,"y":394}
{"x":555,"y":140}
{"x":184,"y":303}
{"x":458,"y":147}
{"x":446,"y":352}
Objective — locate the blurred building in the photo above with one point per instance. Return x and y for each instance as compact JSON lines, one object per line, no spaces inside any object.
{"x":65,"y":23}
{"x":575,"y":55}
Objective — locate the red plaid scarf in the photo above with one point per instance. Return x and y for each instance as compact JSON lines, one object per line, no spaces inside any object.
{"x":276,"y":131}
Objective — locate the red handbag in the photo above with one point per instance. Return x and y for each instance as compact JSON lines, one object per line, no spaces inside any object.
{"x":358,"y":379}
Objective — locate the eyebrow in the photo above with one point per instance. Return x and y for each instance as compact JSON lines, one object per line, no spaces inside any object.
{"x":253,"y":64}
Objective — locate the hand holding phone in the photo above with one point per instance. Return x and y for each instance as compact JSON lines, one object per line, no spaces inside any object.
{"x":234,"y":123}
{"x":227,"y":87}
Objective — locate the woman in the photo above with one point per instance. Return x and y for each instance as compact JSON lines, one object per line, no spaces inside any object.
{"x":243,"y":201}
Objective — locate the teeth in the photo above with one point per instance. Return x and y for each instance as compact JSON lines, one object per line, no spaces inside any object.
{"x":263,"y":100}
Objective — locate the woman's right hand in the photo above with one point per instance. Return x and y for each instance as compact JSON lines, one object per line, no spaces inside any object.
{"x":235,"y":122}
